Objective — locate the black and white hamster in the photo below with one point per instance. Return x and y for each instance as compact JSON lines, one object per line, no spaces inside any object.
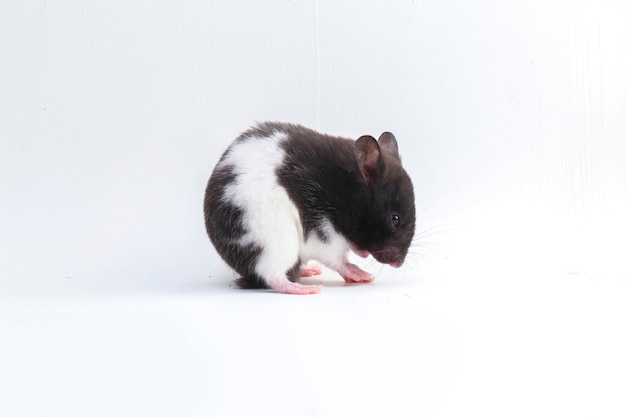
{"x":282,"y":195}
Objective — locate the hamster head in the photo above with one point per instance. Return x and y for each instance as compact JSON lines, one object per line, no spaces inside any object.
{"x":386,"y":224}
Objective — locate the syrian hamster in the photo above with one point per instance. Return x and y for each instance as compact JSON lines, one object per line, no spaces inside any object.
{"x":283,"y":194}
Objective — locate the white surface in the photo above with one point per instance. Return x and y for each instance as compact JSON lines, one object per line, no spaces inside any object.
{"x":510,"y":120}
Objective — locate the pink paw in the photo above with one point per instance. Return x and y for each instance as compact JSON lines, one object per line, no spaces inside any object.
{"x":353,"y":273}
{"x":282,"y":285}
{"x":310,"y":270}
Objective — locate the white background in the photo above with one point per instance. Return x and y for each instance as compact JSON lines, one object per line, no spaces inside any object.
{"x":511,"y":120}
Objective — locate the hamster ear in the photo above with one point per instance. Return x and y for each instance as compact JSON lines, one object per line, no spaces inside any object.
{"x":388,"y":143}
{"x":368,"y":157}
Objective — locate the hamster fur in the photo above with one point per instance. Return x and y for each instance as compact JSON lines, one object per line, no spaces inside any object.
{"x":282,"y":195}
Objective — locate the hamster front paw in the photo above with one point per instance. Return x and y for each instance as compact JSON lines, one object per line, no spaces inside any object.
{"x":352,"y":273}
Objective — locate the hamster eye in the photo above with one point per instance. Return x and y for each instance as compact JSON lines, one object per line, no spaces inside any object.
{"x":395,"y":220}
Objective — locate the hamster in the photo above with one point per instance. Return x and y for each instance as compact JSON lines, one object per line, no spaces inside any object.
{"x":283,"y":194}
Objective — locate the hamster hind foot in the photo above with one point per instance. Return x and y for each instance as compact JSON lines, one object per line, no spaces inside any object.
{"x":282,"y":285}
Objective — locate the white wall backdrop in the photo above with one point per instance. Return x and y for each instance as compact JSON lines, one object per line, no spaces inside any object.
{"x":510,"y":115}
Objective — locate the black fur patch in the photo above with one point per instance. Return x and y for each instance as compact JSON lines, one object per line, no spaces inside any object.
{"x":321,"y":176}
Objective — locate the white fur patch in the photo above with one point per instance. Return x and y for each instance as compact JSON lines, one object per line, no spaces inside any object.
{"x":271,"y":219}
{"x":331,"y":251}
